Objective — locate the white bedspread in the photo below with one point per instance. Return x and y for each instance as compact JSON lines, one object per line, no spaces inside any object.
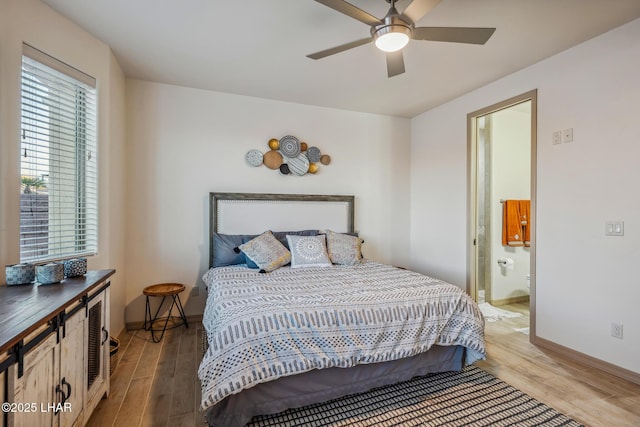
{"x":264,"y":326}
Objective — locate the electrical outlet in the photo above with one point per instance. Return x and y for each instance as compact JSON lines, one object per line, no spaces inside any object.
{"x":567,"y":135}
{"x":195,"y":291}
{"x":616,"y":330}
{"x":556,"y":138}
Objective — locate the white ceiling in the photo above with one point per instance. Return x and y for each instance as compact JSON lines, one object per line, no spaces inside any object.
{"x":259,"y":47}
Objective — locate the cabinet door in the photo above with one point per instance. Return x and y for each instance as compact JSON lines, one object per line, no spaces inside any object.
{"x":72,"y":384}
{"x":97,"y":348}
{"x":35,"y":389}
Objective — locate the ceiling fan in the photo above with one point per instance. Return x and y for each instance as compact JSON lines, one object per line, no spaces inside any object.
{"x":394,"y":31}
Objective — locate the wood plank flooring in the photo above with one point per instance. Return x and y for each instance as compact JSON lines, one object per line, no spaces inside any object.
{"x":157,"y":385}
{"x":154,"y":384}
{"x":593,"y":397}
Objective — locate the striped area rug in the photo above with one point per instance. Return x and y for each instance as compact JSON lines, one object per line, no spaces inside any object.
{"x":469,"y":398}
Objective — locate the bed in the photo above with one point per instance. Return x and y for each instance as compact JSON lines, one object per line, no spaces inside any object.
{"x":296,"y":336}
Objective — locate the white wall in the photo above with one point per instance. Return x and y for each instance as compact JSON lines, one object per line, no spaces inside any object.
{"x":184,"y":143}
{"x":113,"y":184}
{"x":510,"y":179}
{"x":584,"y":279}
{"x":26,"y":21}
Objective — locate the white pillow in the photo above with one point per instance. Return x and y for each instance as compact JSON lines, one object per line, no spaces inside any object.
{"x":308,"y":251}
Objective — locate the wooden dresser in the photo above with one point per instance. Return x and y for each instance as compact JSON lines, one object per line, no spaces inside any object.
{"x":54,"y":351}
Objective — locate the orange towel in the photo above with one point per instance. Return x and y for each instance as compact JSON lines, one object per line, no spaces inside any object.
{"x":525,"y":216}
{"x":511,"y":224}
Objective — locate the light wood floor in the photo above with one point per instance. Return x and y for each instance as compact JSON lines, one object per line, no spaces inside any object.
{"x":587,"y":395}
{"x":157,"y":385}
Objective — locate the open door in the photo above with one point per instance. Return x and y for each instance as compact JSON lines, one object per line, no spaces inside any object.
{"x":501,"y":167}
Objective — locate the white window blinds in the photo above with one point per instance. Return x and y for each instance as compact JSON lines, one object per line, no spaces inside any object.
{"x":58,"y":197}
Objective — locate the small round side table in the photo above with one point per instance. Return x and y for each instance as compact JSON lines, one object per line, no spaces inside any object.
{"x":163,"y":290}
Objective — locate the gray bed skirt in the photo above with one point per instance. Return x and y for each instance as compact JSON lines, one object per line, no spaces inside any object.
{"x":326,"y":384}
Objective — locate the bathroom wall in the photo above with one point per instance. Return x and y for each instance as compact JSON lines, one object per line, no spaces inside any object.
{"x":510,"y":179}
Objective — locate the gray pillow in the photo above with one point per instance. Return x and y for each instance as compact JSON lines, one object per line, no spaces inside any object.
{"x":223,"y":249}
{"x":224,"y":245}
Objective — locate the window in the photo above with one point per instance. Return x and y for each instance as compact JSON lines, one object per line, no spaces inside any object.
{"x":58,"y":197}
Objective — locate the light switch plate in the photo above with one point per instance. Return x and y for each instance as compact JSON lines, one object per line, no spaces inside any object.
{"x":614,"y":228}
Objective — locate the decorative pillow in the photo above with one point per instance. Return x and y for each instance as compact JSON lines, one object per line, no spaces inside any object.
{"x":344,"y":249}
{"x":266,"y":251}
{"x":224,"y":246}
{"x":249,"y":262}
{"x":282,"y":235}
{"x":308,"y":251}
{"x":224,"y":249}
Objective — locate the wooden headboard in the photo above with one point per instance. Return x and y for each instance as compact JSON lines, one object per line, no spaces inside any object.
{"x":254,"y":213}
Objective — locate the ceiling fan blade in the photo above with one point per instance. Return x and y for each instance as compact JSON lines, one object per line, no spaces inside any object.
{"x":352,"y":11}
{"x":417,"y":9}
{"x":395,"y":63}
{"x":341,"y":48}
{"x":453,"y":34}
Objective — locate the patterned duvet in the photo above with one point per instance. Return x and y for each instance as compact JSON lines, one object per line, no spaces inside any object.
{"x":264,"y":326}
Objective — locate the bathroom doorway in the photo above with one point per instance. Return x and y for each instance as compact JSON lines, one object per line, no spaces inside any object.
{"x":502,"y":141}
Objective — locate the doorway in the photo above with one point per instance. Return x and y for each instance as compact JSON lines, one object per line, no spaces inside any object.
{"x":502,"y":170}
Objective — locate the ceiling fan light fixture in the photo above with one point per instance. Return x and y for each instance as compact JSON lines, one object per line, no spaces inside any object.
{"x":392,"y":37}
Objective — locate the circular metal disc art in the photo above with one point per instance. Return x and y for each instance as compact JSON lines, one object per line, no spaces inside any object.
{"x":313,"y":153}
{"x":289,"y":156}
{"x":274,"y":144}
{"x":289,"y":146}
{"x":299,"y":165}
{"x":254,"y":157}
{"x":272,"y":159}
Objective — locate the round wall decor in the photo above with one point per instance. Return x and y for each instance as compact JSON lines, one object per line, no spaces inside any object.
{"x":274,"y":144}
{"x":299,"y":165}
{"x":313,"y":153}
{"x":254,"y":157}
{"x":272,"y":159}
{"x":289,"y":156}
{"x":289,"y":146}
